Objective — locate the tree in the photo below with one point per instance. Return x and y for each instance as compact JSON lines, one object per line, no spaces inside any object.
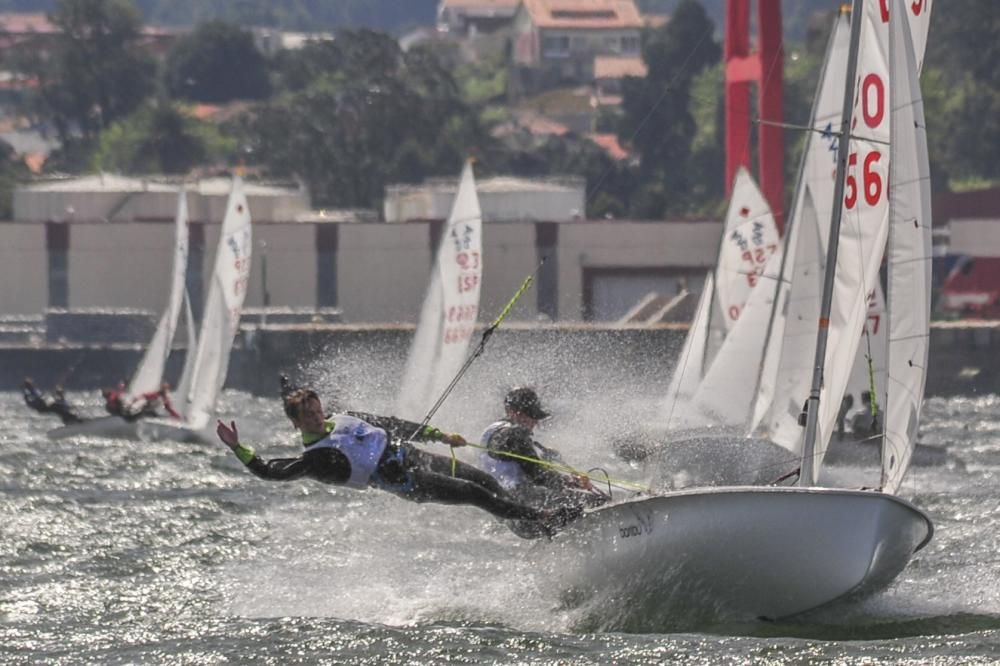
{"x":218,"y":62}
{"x":96,"y":72}
{"x":160,"y":138}
{"x":372,"y":115}
{"x":656,"y":119}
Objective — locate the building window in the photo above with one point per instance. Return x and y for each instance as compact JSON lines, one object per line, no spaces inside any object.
{"x":555,"y":47}
{"x":630,"y":45}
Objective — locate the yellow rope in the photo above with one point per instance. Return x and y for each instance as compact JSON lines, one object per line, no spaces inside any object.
{"x":620,"y":483}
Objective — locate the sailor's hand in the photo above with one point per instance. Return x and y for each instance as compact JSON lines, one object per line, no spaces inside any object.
{"x":454,"y":439}
{"x":228,"y":434}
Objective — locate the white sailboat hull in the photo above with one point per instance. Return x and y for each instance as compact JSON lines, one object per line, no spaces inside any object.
{"x":738,"y":552}
{"x":146,"y":430}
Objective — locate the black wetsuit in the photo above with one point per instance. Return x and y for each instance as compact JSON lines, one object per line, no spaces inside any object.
{"x":403,"y":469}
{"x":58,"y":405}
{"x":542,"y":485}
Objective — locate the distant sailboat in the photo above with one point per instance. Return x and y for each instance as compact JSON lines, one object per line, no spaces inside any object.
{"x":750,"y":551}
{"x":749,"y":240}
{"x":149,"y":374}
{"x":451,"y":306}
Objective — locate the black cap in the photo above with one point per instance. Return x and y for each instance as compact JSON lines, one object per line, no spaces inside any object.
{"x":524,"y":400}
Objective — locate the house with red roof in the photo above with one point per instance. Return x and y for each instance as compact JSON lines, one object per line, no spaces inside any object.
{"x":566,"y":35}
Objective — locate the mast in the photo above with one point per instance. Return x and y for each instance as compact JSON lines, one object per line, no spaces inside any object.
{"x":807,"y":475}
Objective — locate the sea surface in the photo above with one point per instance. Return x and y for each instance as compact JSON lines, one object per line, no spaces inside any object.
{"x":117,"y":552}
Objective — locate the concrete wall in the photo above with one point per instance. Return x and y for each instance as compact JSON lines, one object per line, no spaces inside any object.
{"x":24,"y":280}
{"x":120,"y":265}
{"x":382,"y":271}
{"x":291,"y":263}
{"x":584,"y":245}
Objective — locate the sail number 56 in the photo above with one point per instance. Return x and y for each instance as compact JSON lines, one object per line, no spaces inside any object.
{"x":873,"y":113}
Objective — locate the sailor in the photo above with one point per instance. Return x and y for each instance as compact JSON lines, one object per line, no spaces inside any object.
{"x":33,"y":397}
{"x":145,"y":404}
{"x":865,"y":423}
{"x":365,"y":450}
{"x":61,"y":407}
{"x":113,"y":399}
{"x":57,"y":405}
{"x":518,"y":462}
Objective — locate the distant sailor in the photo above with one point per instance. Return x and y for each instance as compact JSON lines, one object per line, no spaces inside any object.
{"x":364,"y":450}
{"x":58,"y":405}
{"x":512,"y":456}
{"x":145,"y":404}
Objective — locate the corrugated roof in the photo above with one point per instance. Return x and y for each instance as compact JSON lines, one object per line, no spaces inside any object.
{"x":584,"y":14}
{"x":617,"y":67}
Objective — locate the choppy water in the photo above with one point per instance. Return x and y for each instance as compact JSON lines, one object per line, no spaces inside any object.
{"x":116,"y":552}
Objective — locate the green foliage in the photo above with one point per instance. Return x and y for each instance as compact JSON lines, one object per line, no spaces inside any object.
{"x":370,"y":115}
{"x":656,"y":113}
{"x":160,"y":138}
{"x":217,"y":62}
{"x":96,"y":73}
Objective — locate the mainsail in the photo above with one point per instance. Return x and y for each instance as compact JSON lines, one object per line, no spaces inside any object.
{"x":451,"y":306}
{"x":222,"y":310}
{"x":149,"y":374}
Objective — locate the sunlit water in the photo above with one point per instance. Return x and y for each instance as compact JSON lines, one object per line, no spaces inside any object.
{"x":123,"y":552}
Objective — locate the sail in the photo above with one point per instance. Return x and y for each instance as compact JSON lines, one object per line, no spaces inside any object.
{"x":221,"y":318}
{"x":750,"y":239}
{"x":451,"y":306}
{"x":690,"y":362}
{"x":873,"y":347}
{"x":788,"y":362}
{"x":864,"y":219}
{"x":726,"y":394}
{"x":789,"y":358}
{"x":149,"y":374}
{"x":909,"y":255}
{"x":184,"y":383}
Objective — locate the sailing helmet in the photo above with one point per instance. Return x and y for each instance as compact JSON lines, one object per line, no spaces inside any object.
{"x":524,"y":400}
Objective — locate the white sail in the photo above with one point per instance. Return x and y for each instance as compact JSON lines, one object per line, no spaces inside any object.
{"x":149,"y":374}
{"x":749,"y":241}
{"x":869,"y":363}
{"x":726,"y":394}
{"x":909,"y":255}
{"x":184,"y":383}
{"x":785,"y":378}
{"x":864,"y":220}
{"x":220,"y":320}
{"x":451,"y":306}
{"x":690,"y":363}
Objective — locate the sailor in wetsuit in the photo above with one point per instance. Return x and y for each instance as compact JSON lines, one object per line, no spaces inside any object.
{"x":364,"y":450}
{"x":58,"y":405}
{"x":521,"y":473}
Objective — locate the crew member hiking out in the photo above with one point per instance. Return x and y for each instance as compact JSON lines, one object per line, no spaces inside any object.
{"x":364,"y":450}
{"x":58,"y":405}
{"x":518,"y":462}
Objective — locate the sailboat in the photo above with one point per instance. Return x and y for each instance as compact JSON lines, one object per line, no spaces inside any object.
{"x":451,"y":306}
{"x":219,"y":325}
{"x":149,"y":374}
{"x":749,"y":241}
{"x":776,"y":551}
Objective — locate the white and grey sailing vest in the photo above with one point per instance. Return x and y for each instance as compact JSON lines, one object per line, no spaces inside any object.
{"x":362,"y":444}
{"x":504,"y":470}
